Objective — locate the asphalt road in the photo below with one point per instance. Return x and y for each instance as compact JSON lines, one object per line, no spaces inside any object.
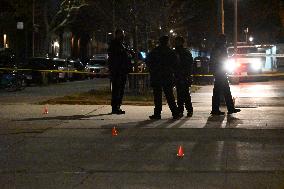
{"x":72,"y":146}
{"x":40,"y":93}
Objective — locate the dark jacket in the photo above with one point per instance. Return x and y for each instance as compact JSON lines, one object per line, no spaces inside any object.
{"x":183,"y":71}
{"x":218,"y":58}
{"x":161,"y":63}
{"x":119,"y":58}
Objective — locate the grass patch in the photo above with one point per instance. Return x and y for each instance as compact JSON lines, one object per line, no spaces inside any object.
{"x":103,"y":97}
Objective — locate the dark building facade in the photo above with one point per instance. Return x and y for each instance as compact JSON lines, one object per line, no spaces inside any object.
{"x":82,"y":28}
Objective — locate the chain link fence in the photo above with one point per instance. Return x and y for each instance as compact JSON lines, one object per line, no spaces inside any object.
{"x":138,"y":83}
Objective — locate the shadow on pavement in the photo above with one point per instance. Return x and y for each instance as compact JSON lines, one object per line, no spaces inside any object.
{"x":233,"y":122}
{"x":71,"y":117}
{"x":137,"y":124}
{"x":214,"y":122}
{"x":217,"y":121}
{"x":159,"y":124}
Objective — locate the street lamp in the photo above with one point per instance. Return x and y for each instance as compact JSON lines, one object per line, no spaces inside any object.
{"x":56,"y":48}
{"x":56,"y":44}
{"x":5,"y":41}
{"x":251,"y":39}
{"x":246,"y":33}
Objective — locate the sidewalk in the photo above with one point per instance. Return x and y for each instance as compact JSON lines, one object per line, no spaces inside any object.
{"x":259,"y":112}
{"x":94,"y":116}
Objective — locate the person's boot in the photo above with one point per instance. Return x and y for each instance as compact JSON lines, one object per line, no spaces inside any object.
{"x":117,"y":111}
{"x":215,"y":106}
{"x":177,"y":115}
{"x":155,"y":116}
{"x":217,"y":113}
{"x":235,"y":110}
{"x":189,"y":112}
{"x":180,"y":109}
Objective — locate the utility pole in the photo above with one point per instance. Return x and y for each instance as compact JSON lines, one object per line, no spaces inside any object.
{"x":236,"y":27}
{"x":113,"y":16}
{"x":33,"y":37}
{"x":222,"y":17}
{"x":135,"y":35}
{"x":135,"y":26}
{"x":147,"y":26}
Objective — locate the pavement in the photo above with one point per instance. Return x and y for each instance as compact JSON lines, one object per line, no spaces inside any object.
{"x":72,"y":145}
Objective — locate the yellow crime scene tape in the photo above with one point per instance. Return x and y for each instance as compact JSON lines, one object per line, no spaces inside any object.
{"x":55,"y":71}
{"x":143,"y":73}
{"x":211,"y":75}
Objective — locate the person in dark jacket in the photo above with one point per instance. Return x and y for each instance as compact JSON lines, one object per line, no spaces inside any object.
{"x":183,"y":76}
{"x":119,"y":66}
{"x":161,"y":63}
{"x":221,"y":84}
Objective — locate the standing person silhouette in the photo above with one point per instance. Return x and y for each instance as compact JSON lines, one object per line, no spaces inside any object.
{"x":161,"y":62}
{"x":183,"y":76}
{"x":221,"y":84}
{"x":119,"y":66}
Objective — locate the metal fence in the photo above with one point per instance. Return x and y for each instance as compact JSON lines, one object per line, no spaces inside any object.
{"x":138,"y":83}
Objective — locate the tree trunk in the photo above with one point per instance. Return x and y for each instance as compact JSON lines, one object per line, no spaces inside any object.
{"x":46,"y":23}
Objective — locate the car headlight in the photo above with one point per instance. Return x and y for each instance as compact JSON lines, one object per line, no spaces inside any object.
{"x":256,"y":64}
{"x":230,"y":65}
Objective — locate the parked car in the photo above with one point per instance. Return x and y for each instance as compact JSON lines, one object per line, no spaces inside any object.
{"x":7,"y":58}
{"x":200,"y":65}
{"x":97,"y":68}
{"x":12,"y":80}
{"x":142,"y":68}
{"x":41,"y":71}
{"x":64,"y":66}
{"x":78,"y":66}
{"x":247,"y":61}
{"x":141,"y":62}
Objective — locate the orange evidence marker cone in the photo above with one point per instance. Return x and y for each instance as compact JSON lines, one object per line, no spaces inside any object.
{"x":180,"y":153}
{"x":45,"y":110}
{"x":114,"y":132}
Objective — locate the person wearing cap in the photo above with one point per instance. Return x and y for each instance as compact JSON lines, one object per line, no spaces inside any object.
{"x":183,"y":76}
{"x":119,"y":66}
{"x":221,"y":88}
{"x":161,"y":62}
